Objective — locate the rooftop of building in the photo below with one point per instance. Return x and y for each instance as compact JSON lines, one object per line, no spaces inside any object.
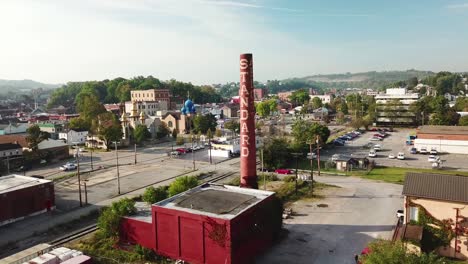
{"x":16,"y":182}
{"x":19,"y":139}
{"x":452,"y":188}
{"x":220,"y":201}
{"x":9,"y":146}
{"x":445,"y":130}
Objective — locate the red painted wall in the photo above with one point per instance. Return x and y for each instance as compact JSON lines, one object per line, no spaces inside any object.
{"x":137,"y":232}
{"x":26,"y":201}
{"x":191,"y":237}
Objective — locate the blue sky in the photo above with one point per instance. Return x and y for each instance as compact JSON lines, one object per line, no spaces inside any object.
{"x":200,"y":40}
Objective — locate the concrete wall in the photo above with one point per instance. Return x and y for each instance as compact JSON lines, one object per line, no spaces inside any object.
{"x":443,"y":210}
{"x":442,"y":145}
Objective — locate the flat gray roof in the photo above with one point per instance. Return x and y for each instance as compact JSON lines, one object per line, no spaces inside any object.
{"x":221,"y":201}
{"x":143,"y":212}
{"x":16,"y":182}
{"x":445,"y":130}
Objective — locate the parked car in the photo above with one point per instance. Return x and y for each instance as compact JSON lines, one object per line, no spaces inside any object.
{"x":24,"y":167}
{"x":423,"y":150}
{"x":433,"y":158}
{"x":337,"y":142}
{"x":413,"y":150}
{"x":400,"y":214}
{"x":391,"y":156}
{"x":377,"y":147}
{"x":284,"y":171}
{"x":69,"y":166}
{"x":234,"y":154}
{"x":372,"y":154}
{"x":368,"y":145}
{"x":175,"y":153}
{"x":375,"y":139}
{"x":181,"y":150}
{"x":401,"y":156}
{"x":433,"y":151}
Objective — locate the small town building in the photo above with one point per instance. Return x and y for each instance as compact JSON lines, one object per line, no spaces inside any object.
{"x":447,"y":139}
{"x":393,"y":107}
{"x":15,"y":139}
{"x":284,"y":96}
{"x":53,"y":149}
{"x":13,"y":128}
{"x":349,"y":164}
{"x":210,"y":223}
{"x":74,"y":137}
{"x":444,"y":200}
{"x":8,"y":150}
{"x":230,"y":110}
{"x":22,"y":196}
{"x":260,"y":93}
{"x":158,"y":95}
{"x":54,"y":129}
{"x":326,"y":99}
{"x":149,"y":108}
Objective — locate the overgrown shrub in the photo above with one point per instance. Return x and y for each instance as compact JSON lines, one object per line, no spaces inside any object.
{"x":180,"y":140}
{"x":290,"y":178}
{"x":235,"y":181}
{"x":268,"y":177}
{"x":330,"y":164}
{"x":109,"y":220}
{"x":182,"y":184}
{"x":153,"y":195}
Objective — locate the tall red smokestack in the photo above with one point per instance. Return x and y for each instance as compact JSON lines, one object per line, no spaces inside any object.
{"x":248,"y":160}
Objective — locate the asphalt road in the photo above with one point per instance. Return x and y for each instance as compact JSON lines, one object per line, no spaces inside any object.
{"x":358,"y":212}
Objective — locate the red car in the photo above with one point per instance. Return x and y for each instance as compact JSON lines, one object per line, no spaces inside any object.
{"x":379,"y":135}
{"x":181,"y":150}
{"x":284,"y":171}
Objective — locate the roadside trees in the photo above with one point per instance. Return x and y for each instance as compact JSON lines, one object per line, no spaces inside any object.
{"x":141,"y":133}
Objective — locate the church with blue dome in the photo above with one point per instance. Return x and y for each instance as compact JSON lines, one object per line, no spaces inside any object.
{"x":188,"y":108}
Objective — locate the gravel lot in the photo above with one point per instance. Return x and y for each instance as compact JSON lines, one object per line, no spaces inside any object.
{"x":355,"y":214}
{"x":395,"y":143}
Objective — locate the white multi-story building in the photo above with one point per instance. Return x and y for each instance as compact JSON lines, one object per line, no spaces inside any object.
{"x":149,"y":108}
{"x":73,"y":137}
{"x":326,"y":99}
{"x":393,"y":107}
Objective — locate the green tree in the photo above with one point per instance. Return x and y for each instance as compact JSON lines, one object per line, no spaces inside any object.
{"x":461,"y":104}
{"x":153,"y":195}
{"x":463,"y":121}
{"x":299,"y":97}
{"x":141,"y":133}
{"x":204,"y":122}
{"x":174,"y":133}
{"x":79,"y":123}
{"x":35,"y":136}
{"x":276,"y":153}
{"x":233,"y":125}
{"x":354,"y":103}
{"x":306,"y":131}
{"x":180,"y":140}
{"x":182,"y":184}
{"x":273,"y":105}
{"x":110,"y":218}
{"x":388,"y":252}
{"x":316,"y":103}
{"x":262,"y":109}
{"x":218,"y":133}
{"x":344,"y":108}
{"x":340,"y":118}
{"x":162,"y":131}
{"x":109,"y":128}
{"x":88,"y":105}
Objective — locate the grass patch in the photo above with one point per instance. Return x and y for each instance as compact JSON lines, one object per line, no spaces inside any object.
{"x":287,"y":191}
{"x":304,"y":164}
{"x":64,"y":177}
{"x":397,"y":175}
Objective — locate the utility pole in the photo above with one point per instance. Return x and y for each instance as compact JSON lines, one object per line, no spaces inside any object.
{"x":86,"y":192}
{"x":117,"y":163}
{"x":193,"y":156}
{"x":209,"y":148}
{"x":8,"y":164}
{"x":78,"y":172}
{"x":318,"y":154}
{"x":92,"y":159}
{"x":311,"y":165}
{"x":296,"y":155}
{"x":264,"y":176}
{"x":135,"y":155}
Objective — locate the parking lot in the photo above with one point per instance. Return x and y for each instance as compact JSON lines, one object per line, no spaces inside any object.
{"x":395,"y":142}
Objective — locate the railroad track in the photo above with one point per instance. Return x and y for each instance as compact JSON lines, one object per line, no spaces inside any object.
{"x":72,"y":236}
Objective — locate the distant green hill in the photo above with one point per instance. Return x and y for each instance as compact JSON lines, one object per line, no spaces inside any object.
{"x":23,"y":85}
{"x":373,"y":79}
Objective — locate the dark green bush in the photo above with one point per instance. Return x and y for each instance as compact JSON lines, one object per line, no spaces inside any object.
{"x":153,"y":195}
{"x":182,"y":184}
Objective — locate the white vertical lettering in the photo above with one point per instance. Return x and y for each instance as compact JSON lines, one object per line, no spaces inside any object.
{"x":243,"y":74}
{"x":244,"y":128}
{"x":244,"y":114}
{"x":244,"y":102}
{"x":244,"y":152}
{"x":245,"y":139}
{"x":244,"y":64}
{"x":244,"y":90}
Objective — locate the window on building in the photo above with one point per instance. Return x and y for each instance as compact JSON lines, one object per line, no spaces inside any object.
{"x":169,"y":124}
{"x":413,"y":213}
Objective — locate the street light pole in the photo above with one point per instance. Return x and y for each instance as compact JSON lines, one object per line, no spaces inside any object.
{"x":78,"y":172}
{"x":296,"y":155}
{"x":92,"y":159}
{"x":117,"y":165}
{"x":135,"y":155}
{"x":264,"y":176}
{"x":193,"y":157}
{"x":318,"y":154}
{"x":311,"y":166}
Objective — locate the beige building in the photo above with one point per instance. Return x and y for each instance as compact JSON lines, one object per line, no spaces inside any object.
{"x":158,"y":95}
{"x":444,"y":200}
{"x":177,"y":120}
{"x":149,"y":108}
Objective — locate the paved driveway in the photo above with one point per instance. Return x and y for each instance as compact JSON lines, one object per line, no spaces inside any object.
{"x":357,"y":213}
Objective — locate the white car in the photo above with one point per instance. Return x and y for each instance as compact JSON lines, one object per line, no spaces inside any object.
{"x":401,"y":156}
{"x":433,"y":152}
{"x":372,"y":154}
{"x":400,"y":214}
{"x":377,"y":147}
{"x":68,"y":166}
{"x":433,"y":158}
{"x":391,"y":156}
{"x":375,"y":139}
{"x":423,"y":150}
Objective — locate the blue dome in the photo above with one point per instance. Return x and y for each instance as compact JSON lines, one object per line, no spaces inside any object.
{"x":188,"y":104}
{"x":188,"y":108}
